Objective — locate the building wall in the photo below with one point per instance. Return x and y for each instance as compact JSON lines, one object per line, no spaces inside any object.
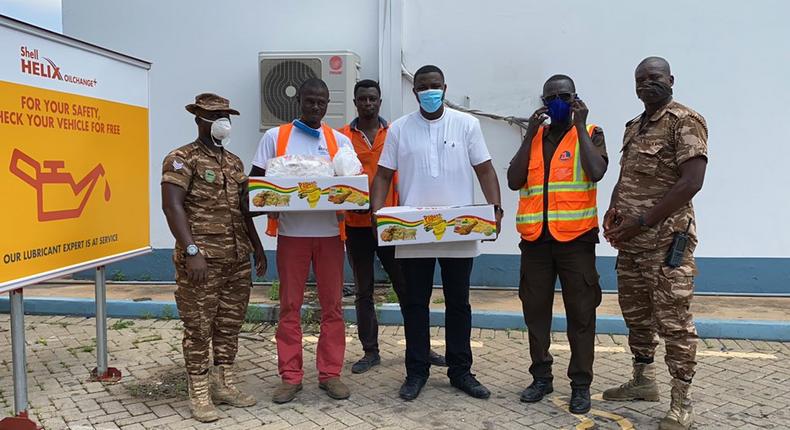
{"x":727,"y":58}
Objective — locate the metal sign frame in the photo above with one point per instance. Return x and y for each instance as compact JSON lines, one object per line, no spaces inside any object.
{"x":102,"y":372}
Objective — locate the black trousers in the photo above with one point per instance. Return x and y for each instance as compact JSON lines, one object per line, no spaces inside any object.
{"x":458,"y":314}
{"x":362,"y":248}
{"x":574,"y":263}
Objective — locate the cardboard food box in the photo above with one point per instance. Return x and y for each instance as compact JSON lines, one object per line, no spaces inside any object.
{"x":283,"y":194}
{"x":402,"y":225}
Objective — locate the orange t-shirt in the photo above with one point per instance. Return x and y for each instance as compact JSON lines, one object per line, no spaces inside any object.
{"x":369,"y":153}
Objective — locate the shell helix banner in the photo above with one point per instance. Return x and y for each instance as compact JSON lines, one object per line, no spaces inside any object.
{"x":73,"y":158}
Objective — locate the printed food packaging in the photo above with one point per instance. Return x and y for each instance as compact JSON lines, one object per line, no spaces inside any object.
{"x":403,"y":225}
{"x":284,"y":194}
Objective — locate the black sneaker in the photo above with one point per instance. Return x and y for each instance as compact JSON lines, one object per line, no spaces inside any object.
{"x":536,"y":391}
{"x":580,"y":401}
{"x":437,"y":359}
{"x":365,"y":363}
{"x":470,"y":385}
{"x":349,"y":290}
{"x":412,"y":387}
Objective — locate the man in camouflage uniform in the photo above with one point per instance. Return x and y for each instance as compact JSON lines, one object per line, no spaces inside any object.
{"x":662,"y":167}
{"x":204,"y":197}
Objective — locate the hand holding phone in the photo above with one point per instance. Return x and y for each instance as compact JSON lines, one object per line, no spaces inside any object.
{"x":579,"y":111}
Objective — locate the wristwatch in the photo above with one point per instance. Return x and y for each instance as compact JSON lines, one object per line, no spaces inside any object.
{"x":498,"y":210}
{"x":192,"y":250}
{"x":642,"y":224}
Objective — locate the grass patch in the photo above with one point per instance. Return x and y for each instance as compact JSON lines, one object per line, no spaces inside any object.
{"x":41,"y":341}
{"x":118,"y":276}
{"x":254,"y":315}
{"x":274,"y":291}
{"x":168,"y":384}
{"x":391,"y":297}
{"x":167,"y":313}
{"x":121,"y":324}
{"x":82,"y":348}
{"x":145,"y":339}
{"x":438,"y":300}
{"x":256,"y":320}
{"x":311,"y":320}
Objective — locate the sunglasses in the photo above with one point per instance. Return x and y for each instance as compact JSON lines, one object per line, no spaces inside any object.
{"x":566,"y":97}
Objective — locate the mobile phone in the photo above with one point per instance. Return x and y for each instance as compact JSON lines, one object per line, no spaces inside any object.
{"x":678,"y":248}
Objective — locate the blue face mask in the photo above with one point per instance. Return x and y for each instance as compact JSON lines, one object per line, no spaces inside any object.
{"x":430,"y":100}
{"x":559,"y":110}
{"x":307,"y":129}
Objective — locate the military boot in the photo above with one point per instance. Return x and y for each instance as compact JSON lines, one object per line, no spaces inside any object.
{"x":224,"y":390}
{"x":200,"y":403}
{"x":641,"y":387}
{"x":681,"y":413}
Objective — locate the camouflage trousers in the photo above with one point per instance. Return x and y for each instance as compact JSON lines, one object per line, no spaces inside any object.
{"x":655,"y":299}
{"x":213,"y":313}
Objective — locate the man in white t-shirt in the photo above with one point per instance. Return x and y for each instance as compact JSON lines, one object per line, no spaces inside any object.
{"x":437,"y":153}
{"x":305,"y":238}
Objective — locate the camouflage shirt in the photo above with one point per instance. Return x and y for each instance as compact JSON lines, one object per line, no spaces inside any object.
{"x":650,"y":166}
{"x":215,"y":184}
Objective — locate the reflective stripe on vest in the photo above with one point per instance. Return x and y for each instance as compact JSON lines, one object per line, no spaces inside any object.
{"x":283,"y":136}
{"x":572,"y":209}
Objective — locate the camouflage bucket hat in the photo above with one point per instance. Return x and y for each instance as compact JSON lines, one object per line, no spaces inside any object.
{"x":210,"y":102}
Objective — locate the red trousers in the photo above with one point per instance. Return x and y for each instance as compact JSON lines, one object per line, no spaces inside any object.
{"x":294,"y":256}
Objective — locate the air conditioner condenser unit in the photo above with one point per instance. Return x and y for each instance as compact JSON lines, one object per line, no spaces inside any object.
{"x":281,"y":74}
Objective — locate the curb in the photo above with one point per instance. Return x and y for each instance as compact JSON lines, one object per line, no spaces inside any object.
{"x":389,"y":314}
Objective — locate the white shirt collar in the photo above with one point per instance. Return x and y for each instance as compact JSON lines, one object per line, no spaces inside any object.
{"x":433,"y":121}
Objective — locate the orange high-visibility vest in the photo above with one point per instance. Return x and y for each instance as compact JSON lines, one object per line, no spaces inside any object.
{"x":282,"y":144}
{"x":369,"y":157}
{"x":572,"y":209}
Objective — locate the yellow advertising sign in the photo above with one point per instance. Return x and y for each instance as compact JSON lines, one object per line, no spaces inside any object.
{"x":74,"y":181}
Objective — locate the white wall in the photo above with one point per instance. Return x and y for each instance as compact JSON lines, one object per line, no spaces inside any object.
{"x":729,"y":61}
{"x":206,"y":46}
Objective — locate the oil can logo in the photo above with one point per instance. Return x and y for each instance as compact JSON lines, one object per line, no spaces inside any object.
{"x":34,"y":64}
{"x":336,"y":65}
{"x":58,"y":195}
